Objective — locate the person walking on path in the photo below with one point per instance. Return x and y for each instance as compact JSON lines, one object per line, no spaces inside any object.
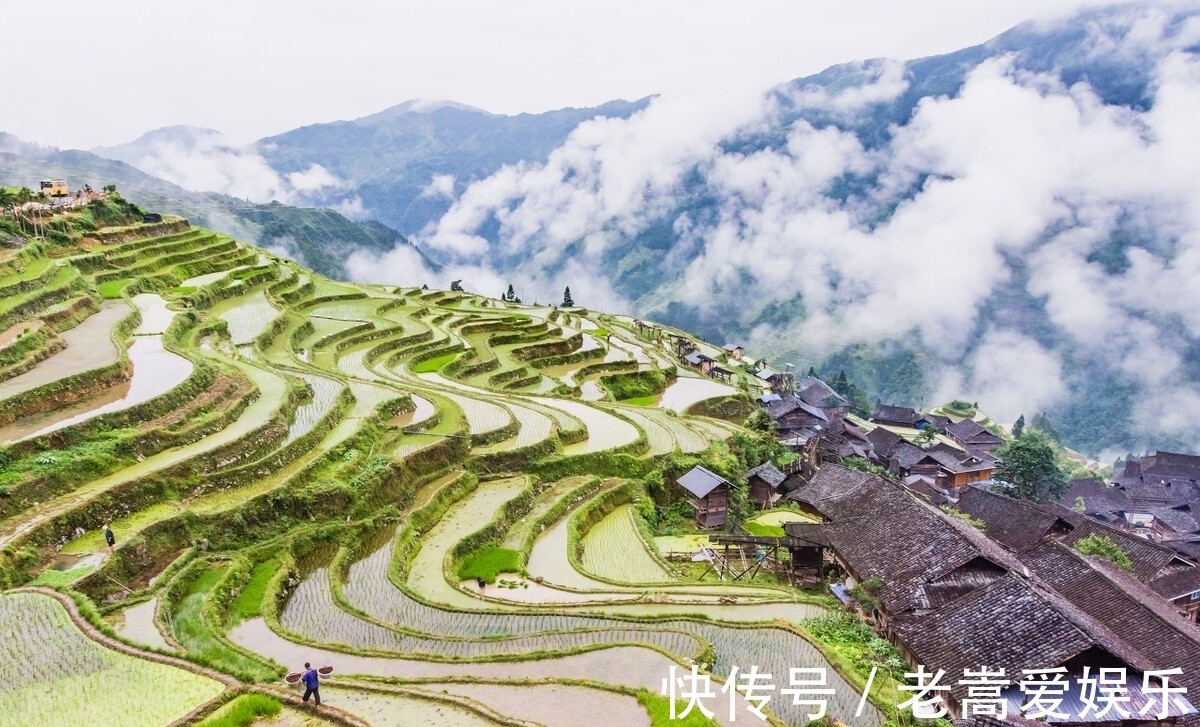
{"x":109,"y":537}
{"x":311,"y":682}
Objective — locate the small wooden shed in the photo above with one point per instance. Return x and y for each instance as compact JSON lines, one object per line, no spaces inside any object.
{"x":763,"y":481}
{"x":708,"y":494}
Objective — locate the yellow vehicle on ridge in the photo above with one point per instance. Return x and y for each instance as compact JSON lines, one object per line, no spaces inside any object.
{"x":55,"y":188}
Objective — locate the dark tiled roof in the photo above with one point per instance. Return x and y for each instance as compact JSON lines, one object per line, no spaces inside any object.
{"x":1142,"y":617}
{"x":843,"y":426}
{"x":902,"y":414}
{"x":938,"y":421}
{"x":1016,"y":524}
{"x":791,"y":483}
{"x":768,"y":473}
{"x":829,"y":486}
{"x":1146,"y":496}
{"x":808,"y":534}
{"x":969,"y":430}
{"x":1179,"y":520}
{"x":906,"y":455}
{"x":1148,"y":558}
{"x":1189,"y":546}
{"x":1175,"y":582}
{"x":1171,"y":465}
{"x":1026,"y":627}
{"x":815,"y":392}
{"x":884,"y":441}
{"x":1097,"y":497}
{"x":957,"y":461}
{"x":700,"y":481}
{"x":881,"y":530}
{"x":783,"y":407}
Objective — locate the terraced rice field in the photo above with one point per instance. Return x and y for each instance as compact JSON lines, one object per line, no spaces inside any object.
{"x":136,"y":624}
{"x":613,"y":550}
{"x":247,"y":317}
{"x":324,"y":393}
{"x":394,"y":710}
{"x":155,"y":372}
{"x":255,"y":538}
{"x":54,"y":675}
{"x":482,"y":416}
{"x":89,"y":346}
{"x":687,"y":391}
{"x":605,"y":431}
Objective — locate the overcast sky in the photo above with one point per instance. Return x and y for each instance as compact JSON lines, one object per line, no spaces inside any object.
{"x":81,"y":74}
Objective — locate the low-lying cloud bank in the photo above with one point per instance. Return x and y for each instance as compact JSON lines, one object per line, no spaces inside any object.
{"x":203,"y":160}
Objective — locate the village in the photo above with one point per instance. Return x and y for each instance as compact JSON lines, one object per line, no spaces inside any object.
{"x":899,"y":515}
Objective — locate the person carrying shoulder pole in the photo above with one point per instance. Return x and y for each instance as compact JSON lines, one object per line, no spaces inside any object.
{"x":109,"y":537}
{"x":311,"y":682}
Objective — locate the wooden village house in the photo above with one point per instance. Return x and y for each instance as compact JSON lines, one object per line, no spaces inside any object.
{"x":708,"y":494}
{"x":763,"y":482}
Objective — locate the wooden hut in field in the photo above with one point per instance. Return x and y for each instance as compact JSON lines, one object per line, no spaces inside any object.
{"x":708,"y":494}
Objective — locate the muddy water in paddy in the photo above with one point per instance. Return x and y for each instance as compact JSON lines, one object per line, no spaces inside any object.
{"x":605,"y":431}
{"x":424,"y":410}
{"x":687,"y":391}
{"x":155,"y":314}
{"x":137,"y":625}
{"x":155,"y":371}
{"x":89,"y":346}
{"x":18,"y":329}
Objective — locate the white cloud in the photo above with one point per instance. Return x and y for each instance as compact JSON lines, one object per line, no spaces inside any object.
{"x":440,"y":185}
{"x":202,"y":160}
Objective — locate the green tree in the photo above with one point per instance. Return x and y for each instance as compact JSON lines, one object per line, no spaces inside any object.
{"x":1019,"y":427}
{"x":760,"y":421}
{"x":862,"y":465}
{"x":926,"y":436}
{"x":1030,"y":465}
{"x":456,"y":286}
{"x":1041,"y":422}
{"x":1102,"y":547}
{"x":568,"y":301}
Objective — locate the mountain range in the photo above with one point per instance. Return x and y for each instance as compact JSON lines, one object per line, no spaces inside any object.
{"x":1015,"y":223}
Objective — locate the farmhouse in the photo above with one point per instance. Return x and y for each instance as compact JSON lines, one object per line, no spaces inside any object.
{"x":970,"y":434}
